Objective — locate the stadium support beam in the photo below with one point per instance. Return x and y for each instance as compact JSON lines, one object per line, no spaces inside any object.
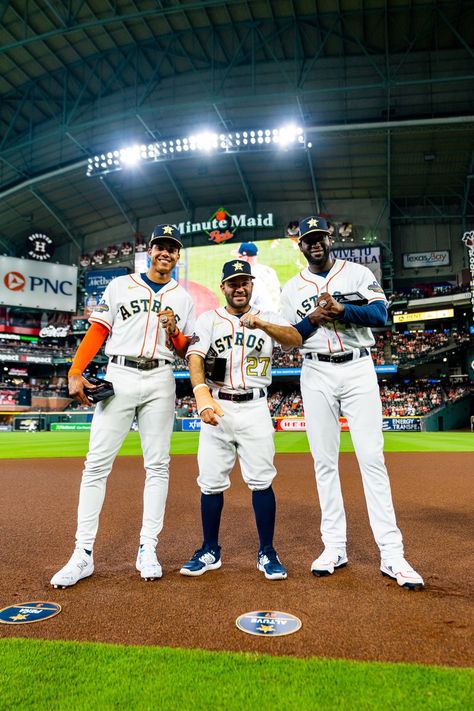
{"x":118,"y":202}
{"x":124,"y":209}
{"x":247,"y":190}
{"x":5,"y":247}
{"x":467,"y":188}
{"x":53,"y":211}
{"x":314,"y":185}
{"x":184,"y":200}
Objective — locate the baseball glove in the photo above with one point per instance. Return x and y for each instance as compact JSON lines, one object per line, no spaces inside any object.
{"x":103,"y":389}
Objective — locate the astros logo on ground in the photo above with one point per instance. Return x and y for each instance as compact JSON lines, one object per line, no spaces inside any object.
{"x":26,"y":612}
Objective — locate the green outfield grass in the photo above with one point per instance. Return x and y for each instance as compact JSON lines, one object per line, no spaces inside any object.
{"x":27,"y":445}
{"x":65,"y":675}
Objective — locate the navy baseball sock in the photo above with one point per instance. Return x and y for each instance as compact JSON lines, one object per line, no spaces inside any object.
{"x":211,"y":509}
{"x":264,"y":506}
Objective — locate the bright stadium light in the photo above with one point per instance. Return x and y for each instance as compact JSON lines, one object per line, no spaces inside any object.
{"x":287,"y":137}
{"x":130,"y":156}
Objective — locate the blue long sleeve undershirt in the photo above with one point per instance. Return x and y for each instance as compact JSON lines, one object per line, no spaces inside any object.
{"x":374,"y":314}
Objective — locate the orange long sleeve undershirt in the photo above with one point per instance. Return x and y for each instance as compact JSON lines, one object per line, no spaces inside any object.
{"x":88,"y":348}
{"x":180,"y":343}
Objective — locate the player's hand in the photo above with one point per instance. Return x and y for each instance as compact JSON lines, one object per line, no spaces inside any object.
{"x":76,"y":384}
{"x":208,"y":409}
{"x":167,"y":321}
{"x":320,"y":317}
{"x":251,"y":321}
{"x":330,"y":305}
{"x":211,"y":416}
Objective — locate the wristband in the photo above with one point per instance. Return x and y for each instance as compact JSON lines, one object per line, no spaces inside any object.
{"x":305,"y":328}
{"x":201,"y":385}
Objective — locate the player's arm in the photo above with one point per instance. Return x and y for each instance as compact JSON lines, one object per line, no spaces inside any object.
{"x":208,"y":409}
{"x":175,"y":339}
{"x":286,"y":336}
{"x":372,"y":314}
{"x":88,"y":348}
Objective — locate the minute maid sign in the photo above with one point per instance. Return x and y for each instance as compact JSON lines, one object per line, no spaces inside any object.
{"x":222,"y":225}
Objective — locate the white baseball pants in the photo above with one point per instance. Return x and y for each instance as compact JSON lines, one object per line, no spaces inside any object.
{"x":350,"y":389}
{"x":150,"y":395}
{"x":245,"y":430}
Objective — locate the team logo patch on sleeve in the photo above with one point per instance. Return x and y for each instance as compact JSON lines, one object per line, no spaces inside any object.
{"x":375,"y":286}
{"x":194,"y":339}
{"x":102,"y":306}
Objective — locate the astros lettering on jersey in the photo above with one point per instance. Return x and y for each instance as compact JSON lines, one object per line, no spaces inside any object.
{"x":130,"y":305}
{"x":299,"y":298}
{"x":248,"y":353}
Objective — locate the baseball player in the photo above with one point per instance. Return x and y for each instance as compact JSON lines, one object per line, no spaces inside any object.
{"x":266,"y":285}
{"x":333,"y":303}
{"x":146,"y":319}
{"x":230,"y":369}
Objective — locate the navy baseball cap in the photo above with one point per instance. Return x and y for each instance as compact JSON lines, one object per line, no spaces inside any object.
{"x":313,"y":225}
{"x":165,"y":232}
{"x":236,"y":268}
{"x":248,"y":248}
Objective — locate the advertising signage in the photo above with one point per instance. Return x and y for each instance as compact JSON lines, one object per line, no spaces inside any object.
{"x":95,"y":281}
{"x":37,"y":285}
{"x":416,"y":260}
{"x":423,"y":315}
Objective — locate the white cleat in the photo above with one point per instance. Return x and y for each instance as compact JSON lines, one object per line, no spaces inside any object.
{"x":329,"y":560}
{"x":80,"y":565}
{"x":400,"y":570}
{"x":147,"y":563}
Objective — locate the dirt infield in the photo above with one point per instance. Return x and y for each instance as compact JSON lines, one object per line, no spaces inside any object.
{"x":355,"y":614}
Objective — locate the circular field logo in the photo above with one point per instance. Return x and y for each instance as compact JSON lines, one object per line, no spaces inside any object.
{"x":268,"y":623}
{"x":26,"y":612}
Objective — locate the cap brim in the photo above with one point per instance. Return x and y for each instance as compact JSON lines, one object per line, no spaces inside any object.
{"x":315,"y":231}
{"x":164,"y":237}
{"x":232,"y":276}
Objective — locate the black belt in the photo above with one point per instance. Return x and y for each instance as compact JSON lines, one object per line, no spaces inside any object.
{"x":140,"y":364}
{"x":337,"y":357}
{"x":240,"y":397}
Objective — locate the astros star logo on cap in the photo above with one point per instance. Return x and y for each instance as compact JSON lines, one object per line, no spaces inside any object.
{"x":313,"y":222}
{"x":167,"y":230}
{"x":238,"y":266}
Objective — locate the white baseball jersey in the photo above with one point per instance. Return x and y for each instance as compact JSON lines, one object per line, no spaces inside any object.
{"x":248,"y":352}
{"x":129,"y":309}
{"x":300,"y":294}
{"x":350,"y":388}
{"x":266,"y":288}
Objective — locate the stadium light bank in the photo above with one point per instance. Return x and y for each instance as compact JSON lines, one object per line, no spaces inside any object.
{"x":284,"y":138}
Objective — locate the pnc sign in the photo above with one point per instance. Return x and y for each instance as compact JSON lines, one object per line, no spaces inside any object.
{"x":15,"y":281}
{"x":37,"y":285}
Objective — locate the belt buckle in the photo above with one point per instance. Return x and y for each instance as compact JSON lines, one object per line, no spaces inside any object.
{"x":142,"y":363}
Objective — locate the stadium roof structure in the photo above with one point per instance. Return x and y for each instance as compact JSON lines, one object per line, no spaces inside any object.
{"x":383,"y":90}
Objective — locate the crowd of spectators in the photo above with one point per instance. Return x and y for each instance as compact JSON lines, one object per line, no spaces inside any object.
{"x":408,"y":399}
{"x":411,"y":399}
{"x":397,"y":348}
{"x":411,"y":345}
{"x":26,"y":348}
{"x":426,"y":291}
